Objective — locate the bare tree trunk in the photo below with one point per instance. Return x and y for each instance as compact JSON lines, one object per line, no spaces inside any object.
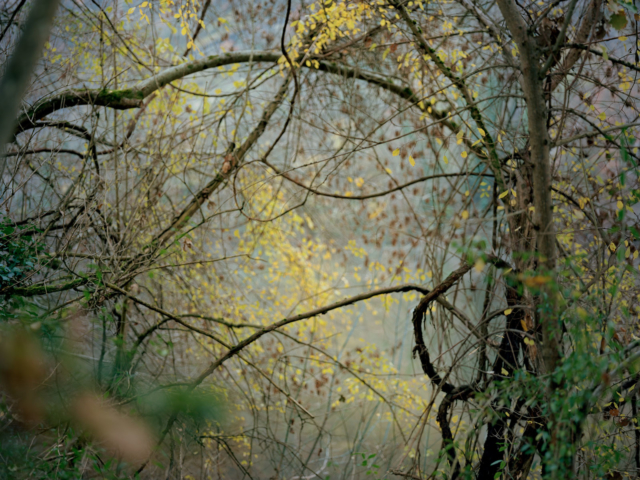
{"x":25,"y":55}
{"x":532,"y":84}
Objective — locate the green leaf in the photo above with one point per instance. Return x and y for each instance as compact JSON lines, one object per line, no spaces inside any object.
{"x":619,"y":20}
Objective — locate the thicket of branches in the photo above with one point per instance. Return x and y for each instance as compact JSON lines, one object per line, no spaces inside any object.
{"x":270,"y":239}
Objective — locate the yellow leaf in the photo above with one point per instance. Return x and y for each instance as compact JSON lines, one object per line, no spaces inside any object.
{"x":464,"y":154}
{"x":396,"y":152}
{"x":503,"y":194}
{"x":504,"y":372}
{"x":612,"y":247}
{"x":524,"y":326}
{"x":446,"y":160}
{"x":482,"y":132}
{"x":508,"y":311}
{"x":528,"y":341}
{"x":537,"y":281}
{"x":310,"y":222}
{"x":412,"y":161}
{"x":464,"y":214}
{"x":619,"y":205}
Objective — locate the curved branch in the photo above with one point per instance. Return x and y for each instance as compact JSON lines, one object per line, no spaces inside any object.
{"x":236,"y":349}
{"x":377,"y":194}
{"x":45,"y":150}
{"x":615,"y":61}
{"x":132,"y":97}
{"x":593,"y":133}
{"x":461,"y":393}
{"x":296,"y":318}
{"x":117,"y":99}
{"x":421,"y":309}
{"x":40,"y":289}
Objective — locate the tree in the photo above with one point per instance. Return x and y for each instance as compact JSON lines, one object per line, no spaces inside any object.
{"x":194,"y":189}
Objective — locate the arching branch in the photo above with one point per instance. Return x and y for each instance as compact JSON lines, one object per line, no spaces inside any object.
{"x":421,"y":309}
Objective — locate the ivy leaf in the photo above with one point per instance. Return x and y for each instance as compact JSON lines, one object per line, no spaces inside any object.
{"x":629,"y":6}
{"x":618,"y":20}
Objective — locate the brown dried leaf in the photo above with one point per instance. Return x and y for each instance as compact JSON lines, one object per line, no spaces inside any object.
{"x":22,"y":372}
{"x":226,"y":165}
{"x":623,"y":422}
{"x":121,"y":435}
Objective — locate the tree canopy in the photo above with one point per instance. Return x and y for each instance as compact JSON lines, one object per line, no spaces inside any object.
{"x":281,"y":239}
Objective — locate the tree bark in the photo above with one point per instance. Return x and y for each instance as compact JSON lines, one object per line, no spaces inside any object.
{"x":532,"y":83}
